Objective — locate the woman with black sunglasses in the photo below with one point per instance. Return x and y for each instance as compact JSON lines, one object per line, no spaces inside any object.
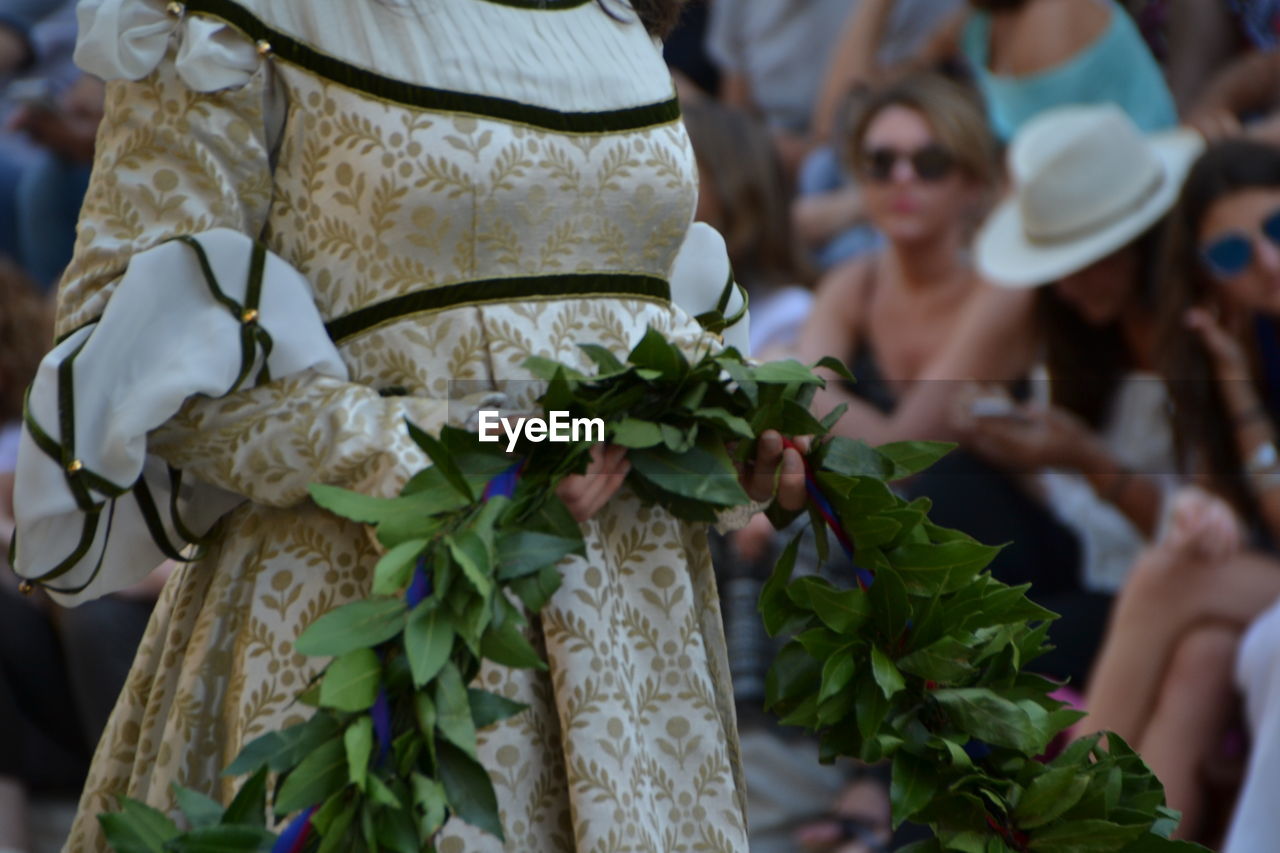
{"x":926,"y":164}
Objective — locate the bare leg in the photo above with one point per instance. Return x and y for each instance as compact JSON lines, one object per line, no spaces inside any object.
{"x":1190,"y":717}
{"x":1198,"y":572}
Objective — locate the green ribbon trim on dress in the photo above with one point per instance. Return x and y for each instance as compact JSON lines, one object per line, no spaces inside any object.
{"x":514,"y":289}
{"x":295,"y":52}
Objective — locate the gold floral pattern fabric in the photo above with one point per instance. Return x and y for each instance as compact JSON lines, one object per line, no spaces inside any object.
{"x":629,"y":743}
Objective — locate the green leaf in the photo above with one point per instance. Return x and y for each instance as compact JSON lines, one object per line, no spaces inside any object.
{"x":837,"y":672}
{"x":655,"y":352}
{"x":912,"y":785}
{"x":358,"y":741}
{"x":313,"y":781}
{"x":428,"y":640}
{"x":1050,"y":795}
{"x":394,"y":568}
{"x":984,"y":715}
{"x":886,"y":674}
{"x":358,"y":625}
{"x":441,"y":459}
{"x":473,"y":555}
{"x":631,"y":432}
{"x":469,"y":789}
{"x":351,"y":681}
{"x":137,"y":828}
{"x":842,"y":611}
{"x":523,"y":552}
{"x":696,"y":474}
{"x":853,"y":458}
{"x":1085,"y":836}
{"x":224,"y":839}
{"x":430,"y":799}
{"x":536,"y":590}
{"x":946,"y":660}
{"x":488,"y":708}
{"x":871,"y":707}
{"x":249,"y":808}
{"x":507,"y":645}
{"x":283,"y":749}
{"x":397,"y":832}
{"x":605,"y":361}
{"x":912,"y":457}
{"x":890,"y":607}
{"x":726,"y":420}
{"x":785,"y":372}
{"x":199,"y":809}
{"x":453,"y":710}
{"x":678,"y":440}
{"x":370,"y":510}
{"x":836,"y":366}
{"x":775,"y":605}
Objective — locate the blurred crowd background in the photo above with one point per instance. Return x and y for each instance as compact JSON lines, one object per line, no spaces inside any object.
{"x":1045,"y":230}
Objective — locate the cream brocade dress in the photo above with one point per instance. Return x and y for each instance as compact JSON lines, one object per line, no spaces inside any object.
{"x":465,"y":183}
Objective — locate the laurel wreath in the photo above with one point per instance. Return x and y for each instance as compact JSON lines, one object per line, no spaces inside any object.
{"x":920,"y":660}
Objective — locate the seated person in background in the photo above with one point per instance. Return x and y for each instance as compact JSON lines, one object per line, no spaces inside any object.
{"x":1029,"y":55}
{"x":743,"y":195}
{"x":59,"y":675}
{"x":927,"y":162}
{"x":1163,"y":681}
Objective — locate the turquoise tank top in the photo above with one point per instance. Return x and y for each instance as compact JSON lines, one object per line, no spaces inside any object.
{"x":1117,"y":67}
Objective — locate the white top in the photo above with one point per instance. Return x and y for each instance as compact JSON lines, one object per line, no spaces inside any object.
{"x":1256,"y":823}
{"x":1139,"y":435}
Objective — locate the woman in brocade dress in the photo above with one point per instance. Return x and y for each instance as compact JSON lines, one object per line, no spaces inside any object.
{"x":459,"y":185}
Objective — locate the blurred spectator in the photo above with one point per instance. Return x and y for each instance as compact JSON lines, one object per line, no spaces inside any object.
{"x":50,"y":119}
{"x":927,"y":165}
{"x":771,"y":55}
{"x":1163,"y":681}
{"x":1246,"y":93}
{"x":60,"y":671}
{"x":1029,"y":55}
{"x":743,"y":195}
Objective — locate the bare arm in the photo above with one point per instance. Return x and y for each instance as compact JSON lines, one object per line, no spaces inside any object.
{"x":854,"y":63}
{"x":993,"y":341}
{"x":1247,"y":85}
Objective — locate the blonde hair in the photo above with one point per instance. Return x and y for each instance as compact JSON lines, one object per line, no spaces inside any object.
{"x":953,"y":111}
{"x":26,"y":332}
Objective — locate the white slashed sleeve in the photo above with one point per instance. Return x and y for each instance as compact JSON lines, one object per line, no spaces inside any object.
{"x":193,"y":371}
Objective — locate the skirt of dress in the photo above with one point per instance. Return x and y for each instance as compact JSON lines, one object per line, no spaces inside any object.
{"x":629,"y":743}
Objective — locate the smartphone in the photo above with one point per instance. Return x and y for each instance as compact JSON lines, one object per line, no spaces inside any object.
{"x":992,"y":407}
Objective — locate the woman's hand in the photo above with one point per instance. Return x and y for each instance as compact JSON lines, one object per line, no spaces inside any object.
{"x":1033,"y":437}
{"x":758,"y":475}
{"x":584,"y":494}
{"x":1230,"y":362}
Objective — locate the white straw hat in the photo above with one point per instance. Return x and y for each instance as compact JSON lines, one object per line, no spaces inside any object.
{"x":1086,"y":182}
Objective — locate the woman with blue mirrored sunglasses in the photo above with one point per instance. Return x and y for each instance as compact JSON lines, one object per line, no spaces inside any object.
{"x":1229,"y":254}
{"x":1220,"y":344}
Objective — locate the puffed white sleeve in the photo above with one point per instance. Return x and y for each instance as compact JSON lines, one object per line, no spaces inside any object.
{"x":703,"y":286}
{"x":193,"y":370}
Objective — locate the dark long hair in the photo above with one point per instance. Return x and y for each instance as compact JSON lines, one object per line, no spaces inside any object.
{"x":1086,"y":362}
{"x":1203,"y":426}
